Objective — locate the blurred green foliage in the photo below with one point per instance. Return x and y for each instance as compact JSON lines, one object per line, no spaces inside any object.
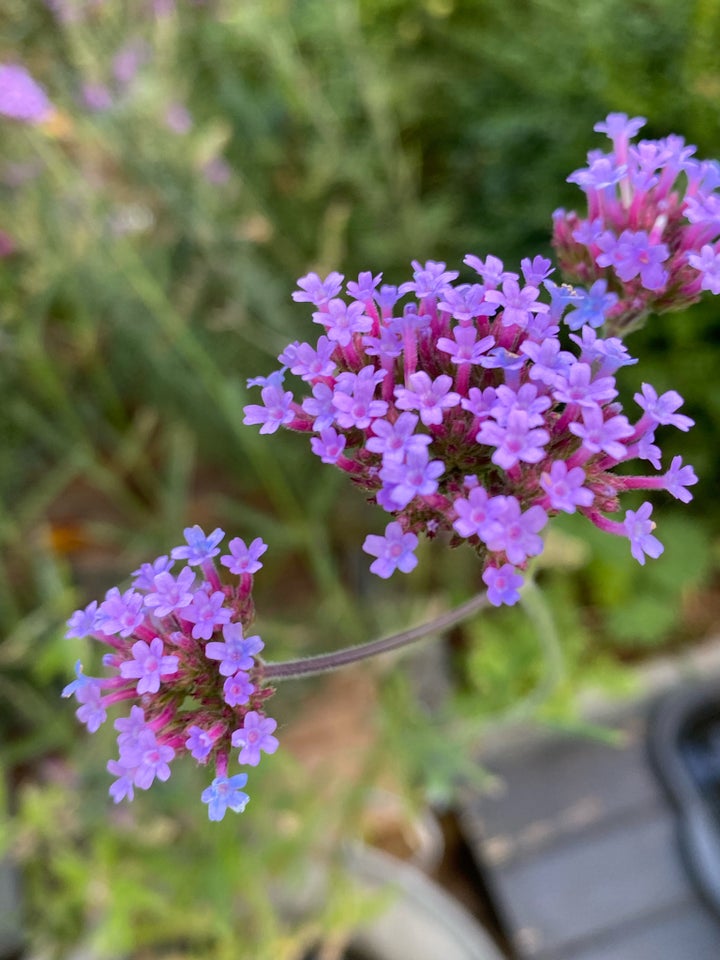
{"x":151,"y":275}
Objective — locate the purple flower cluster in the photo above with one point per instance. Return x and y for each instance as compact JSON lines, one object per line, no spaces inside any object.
{"x":651,"y":239}
{"x":181,"y":657}
{"x":465,"y":410}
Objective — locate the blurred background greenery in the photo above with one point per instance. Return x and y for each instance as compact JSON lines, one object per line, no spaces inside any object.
{"x":204,"y":155}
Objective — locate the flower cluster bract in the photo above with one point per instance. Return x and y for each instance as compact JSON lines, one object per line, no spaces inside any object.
{"x":652,"y":227}
{"x":182,"y":658}
{"x":465,"y":411}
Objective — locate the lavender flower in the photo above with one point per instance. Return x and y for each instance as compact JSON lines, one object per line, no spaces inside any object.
{"x":190,"y":687}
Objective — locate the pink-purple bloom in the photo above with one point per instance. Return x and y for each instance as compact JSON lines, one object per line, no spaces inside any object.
{"x":183,"y":660}
{"x":651,"y":232}
{"x":468,"y":411}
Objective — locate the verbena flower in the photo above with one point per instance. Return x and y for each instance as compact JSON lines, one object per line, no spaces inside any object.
{"x":181,"y":660}
{"x":468,"y":411}
{"x":650,"y":240}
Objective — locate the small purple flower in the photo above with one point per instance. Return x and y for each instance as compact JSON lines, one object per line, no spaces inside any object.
{"x":474,"y":513}
{"x":237,"y":689}
{"x":661,"y":409}
{"x":170,"y":593}
{"x":525,"y":399}
{"x":515,"y":532}
{"x":353,"y":399}
{"x":21,"y":98}
{"x":243,"y":559}
{"x":83,"y":622}
{"x":565,"y":488}
{"x":579,"y":386}
{"x":707,"y":262}
{"x":342,"y":320}
{"x":320,"y":406}
{"x":518,"y":304}
{"x":329,"y":445}
{"x":309,"y":362}
{"x":394,"y":551}
{"x":537,"y":270}
{"x":316,"y":291}
{"x":632,"y":254}
{"x":236,"y":652}
{"x":275,"y":411}
{"x":225,"y":793}
{"x":394,"y":440}
{"x":364,"y":289}
{"x":207,"y":613}
{"x":491,"y":269}
{"x":417,"y":475}
{"x":678,"y":478}
{"x":124,"y":786}
{"x":429,"y":279}
{"x":503,"y":584}
{"x":146,"y":573}
{"x":466,"y":302}
{"x":120,"y":613}
{"x":638,"y":527}
{"x":592,"y":306}
{"x":515,"y":441}
{"x":200,"y":547}
{"x":255,"y":735}
{"x":199,"y":742}
{"x":549,"y":361}
{"x":80,"y":680}
{"x":149,"y":665}
{"x":598,"y":434}
{"x":465,"y":348}
{"x":92,"y":712}
{"x":130,"y":728}
{"x":153,"y":760}
{"x":430,"y":397}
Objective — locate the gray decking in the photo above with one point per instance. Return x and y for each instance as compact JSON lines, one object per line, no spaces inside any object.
{"x":580,"y":850}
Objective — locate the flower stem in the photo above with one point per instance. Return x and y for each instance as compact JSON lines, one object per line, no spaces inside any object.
{"x":325,"y":662}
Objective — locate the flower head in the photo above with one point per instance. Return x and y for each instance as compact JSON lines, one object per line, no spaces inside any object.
{"x":182,"y":658}
{"x":651,"y":235}
{"x":466,"y":410}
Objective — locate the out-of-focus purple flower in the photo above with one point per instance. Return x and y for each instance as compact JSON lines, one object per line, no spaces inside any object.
{"x":96,"y":97}
{"x":21,"y":97}
{"x":178,"y":118}
{"x":217,"y":171}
